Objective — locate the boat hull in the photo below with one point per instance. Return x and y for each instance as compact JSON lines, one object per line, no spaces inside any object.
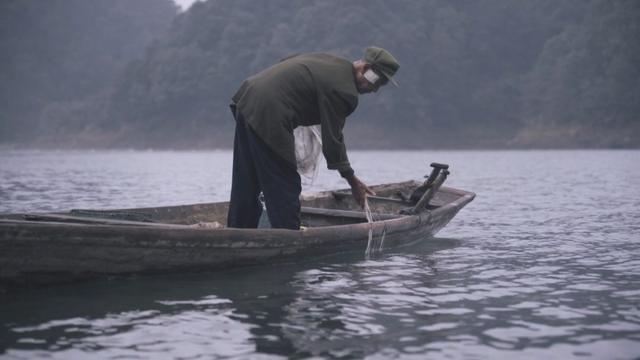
{"x":46,"y":251}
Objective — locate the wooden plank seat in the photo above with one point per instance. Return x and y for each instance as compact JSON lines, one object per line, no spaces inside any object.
{"x":351,"y":214}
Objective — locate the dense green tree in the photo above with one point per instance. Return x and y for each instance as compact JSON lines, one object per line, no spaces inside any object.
{"x":58,"y":53}
{"x":584,"y":88}
{"x":487,"y":73}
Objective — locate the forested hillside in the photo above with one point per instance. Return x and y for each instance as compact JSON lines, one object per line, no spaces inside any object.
{"x":59,"y":55}
{"x":487,"y":73}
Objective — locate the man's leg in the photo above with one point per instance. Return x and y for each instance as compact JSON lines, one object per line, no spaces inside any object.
{"x":280,"y":183}
{"x":244,"y":207}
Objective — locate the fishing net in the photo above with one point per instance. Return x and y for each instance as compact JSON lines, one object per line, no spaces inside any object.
{"x":308,"y":142}
{"x":371,"y":246}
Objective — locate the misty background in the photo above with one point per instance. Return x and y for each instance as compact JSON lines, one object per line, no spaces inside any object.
{"x":474,"y":74}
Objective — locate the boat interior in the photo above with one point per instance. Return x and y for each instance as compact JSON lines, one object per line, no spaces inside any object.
{"x":319,"y":209}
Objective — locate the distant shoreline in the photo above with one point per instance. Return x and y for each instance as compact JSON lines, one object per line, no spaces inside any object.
{"x":23,"y":147}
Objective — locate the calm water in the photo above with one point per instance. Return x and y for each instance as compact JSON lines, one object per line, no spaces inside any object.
{"x":545,"y":263}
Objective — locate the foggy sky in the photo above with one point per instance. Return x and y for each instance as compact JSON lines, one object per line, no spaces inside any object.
{"x":184,"y":4}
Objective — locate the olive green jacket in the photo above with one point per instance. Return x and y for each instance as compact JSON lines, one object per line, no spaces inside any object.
{"x":301,"y":90}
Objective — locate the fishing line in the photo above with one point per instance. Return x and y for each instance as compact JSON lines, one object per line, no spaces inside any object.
{"x":370,"y":243}
{"x":367,"y":213}
{"x":384,"y":233}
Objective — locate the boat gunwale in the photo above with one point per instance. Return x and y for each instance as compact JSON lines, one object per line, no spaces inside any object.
{"x":176,"y":235}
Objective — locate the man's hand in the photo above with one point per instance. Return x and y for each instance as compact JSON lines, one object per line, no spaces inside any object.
{"x":359,"y":190}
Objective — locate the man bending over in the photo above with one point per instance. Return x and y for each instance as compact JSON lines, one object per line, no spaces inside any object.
{"x":301,"y":90}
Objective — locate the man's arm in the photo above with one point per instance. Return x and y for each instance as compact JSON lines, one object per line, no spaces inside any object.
{"x":332,"y":118}
{"x":333,"y":112}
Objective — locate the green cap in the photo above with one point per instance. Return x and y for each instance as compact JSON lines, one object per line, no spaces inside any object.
{"x":382,"y":62}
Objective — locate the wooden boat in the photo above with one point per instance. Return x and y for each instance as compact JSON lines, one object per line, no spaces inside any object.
{"x":56,"y":247}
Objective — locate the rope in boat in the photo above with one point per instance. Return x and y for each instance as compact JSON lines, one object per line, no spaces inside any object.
{"x":369,"y":215}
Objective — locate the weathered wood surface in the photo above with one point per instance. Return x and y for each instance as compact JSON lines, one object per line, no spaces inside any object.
{"x":53,"y":250}
{"x":90,"y":220}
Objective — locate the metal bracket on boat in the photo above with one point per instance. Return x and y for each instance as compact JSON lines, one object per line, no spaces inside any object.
{"x":425,"y":192}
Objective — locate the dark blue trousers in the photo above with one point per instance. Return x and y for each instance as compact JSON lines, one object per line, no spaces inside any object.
{"x":257,"y":168}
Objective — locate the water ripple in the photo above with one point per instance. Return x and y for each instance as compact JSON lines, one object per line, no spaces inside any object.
{"x":543,"y":264}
